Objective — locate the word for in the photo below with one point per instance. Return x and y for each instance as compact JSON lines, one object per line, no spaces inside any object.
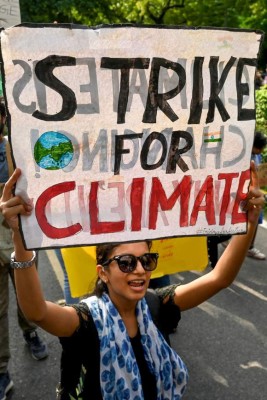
{"x":164,"y":150}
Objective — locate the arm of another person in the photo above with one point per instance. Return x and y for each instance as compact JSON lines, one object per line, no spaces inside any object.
{"x":57,"y":320}
{"x":196,"y":292}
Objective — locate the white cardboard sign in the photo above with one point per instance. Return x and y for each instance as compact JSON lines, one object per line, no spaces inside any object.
{"x":124,"y":132}
{"x":9,"y":13}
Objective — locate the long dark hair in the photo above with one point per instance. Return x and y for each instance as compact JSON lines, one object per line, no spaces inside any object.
{"x":103,"y":252}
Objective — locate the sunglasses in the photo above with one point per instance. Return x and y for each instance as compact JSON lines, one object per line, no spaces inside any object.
{"x":128,"y":262}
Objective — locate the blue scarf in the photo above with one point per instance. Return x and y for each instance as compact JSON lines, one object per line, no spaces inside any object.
{"x":119,"y":374}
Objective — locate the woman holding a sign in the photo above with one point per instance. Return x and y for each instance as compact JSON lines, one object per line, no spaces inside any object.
{"x":120,"y":352}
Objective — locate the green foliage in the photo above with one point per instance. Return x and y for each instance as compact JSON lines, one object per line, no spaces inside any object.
{"x":261,"y":114}
{"x":250,"y":14}
{"x":240,"y":13}
{"x":65,"y":11}
{"x":261,"y":109}
{"x":264,"y":158}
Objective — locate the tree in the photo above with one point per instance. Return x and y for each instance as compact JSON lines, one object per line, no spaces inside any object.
{"x":66,"y":11}
{"x":250,"y":14}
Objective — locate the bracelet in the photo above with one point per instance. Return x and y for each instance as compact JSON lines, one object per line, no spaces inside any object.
{"x":22,"y":264}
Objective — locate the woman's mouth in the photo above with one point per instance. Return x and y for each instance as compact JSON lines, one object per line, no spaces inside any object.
{"x":137,"y":283}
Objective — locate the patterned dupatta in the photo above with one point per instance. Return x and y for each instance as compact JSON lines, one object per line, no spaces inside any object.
{"x":119,"y":374}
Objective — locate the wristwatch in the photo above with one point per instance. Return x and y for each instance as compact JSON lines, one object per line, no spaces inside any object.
{"x":22,"y":264}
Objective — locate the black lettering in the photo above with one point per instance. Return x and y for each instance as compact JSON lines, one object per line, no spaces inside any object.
{"x":124,"y":64}
{"x":145,"y":150}
{"x":119,"y":150}
{"x":215,"y":88}
{"x":154,"y":98}
{"x":174,"y":156}
{"x":44,"y":72}
{"x":197,"y":92}
{"x":243,"y":114}
{"x":40,"y":90}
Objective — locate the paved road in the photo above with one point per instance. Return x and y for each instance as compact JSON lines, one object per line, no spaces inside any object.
{"x":223,"y":342}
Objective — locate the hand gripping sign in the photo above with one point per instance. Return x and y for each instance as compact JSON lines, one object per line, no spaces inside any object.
{"x":125,"y":132}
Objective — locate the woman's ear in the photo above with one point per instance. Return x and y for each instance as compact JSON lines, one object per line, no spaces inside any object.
{"x":101,"y":273}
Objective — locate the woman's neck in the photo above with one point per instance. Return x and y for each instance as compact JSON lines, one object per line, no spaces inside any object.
{"x":128,"y":315}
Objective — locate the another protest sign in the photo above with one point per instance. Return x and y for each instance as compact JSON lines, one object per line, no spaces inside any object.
{"x":176,"y":255}
{"x":9,"y":13}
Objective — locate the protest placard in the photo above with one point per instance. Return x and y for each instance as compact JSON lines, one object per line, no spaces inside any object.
{"x":9,"y":13}
{"x":129,"y":132}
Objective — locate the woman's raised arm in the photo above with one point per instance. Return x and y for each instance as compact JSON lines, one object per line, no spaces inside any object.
{"x":57,"y":320}
{"x":196,"y":292}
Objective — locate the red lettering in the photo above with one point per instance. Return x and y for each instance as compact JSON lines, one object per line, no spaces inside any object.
{"x":137,"y":191}
{"x":205,"y":191}
{"x":226,"y":194}
{"x":237,"y":216}
{"x":100,"y":227}
{"x":40,"y":211}
{"x":158,"y":197}
{"x":181,"y":214}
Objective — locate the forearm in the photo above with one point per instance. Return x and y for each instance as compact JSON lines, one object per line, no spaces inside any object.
{"x":60,"y":321}
{"x":233,"y":257}
{"x":28,"y":287}
{"x":196,"y":292}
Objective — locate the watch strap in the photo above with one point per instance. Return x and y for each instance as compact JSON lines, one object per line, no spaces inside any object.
{"x":22,"y":264}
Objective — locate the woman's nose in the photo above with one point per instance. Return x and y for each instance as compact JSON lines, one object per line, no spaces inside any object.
{"x":139,"y":267}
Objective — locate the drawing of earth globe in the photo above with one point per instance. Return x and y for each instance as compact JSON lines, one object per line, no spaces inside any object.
{"x":53,"y":151}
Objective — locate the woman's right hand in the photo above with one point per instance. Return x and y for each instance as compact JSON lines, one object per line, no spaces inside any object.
{"x":11,"y":206}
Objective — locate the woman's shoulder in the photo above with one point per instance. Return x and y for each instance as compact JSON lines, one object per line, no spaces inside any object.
{"x":165,"y":314}
{"x":163,"y":295}
{"x":86,"y":323}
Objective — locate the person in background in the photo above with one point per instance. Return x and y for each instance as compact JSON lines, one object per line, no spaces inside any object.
{"x":121,"y":352}
{"x":37,"y":347}
{"x":259,"y":82}
{"x":259,"y":145}
{"x":212,"y":243}
{"x":264,"y":76}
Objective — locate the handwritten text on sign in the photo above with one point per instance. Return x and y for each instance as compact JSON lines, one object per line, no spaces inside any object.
{"x":125,"y":133}
{"x":9,"y":13}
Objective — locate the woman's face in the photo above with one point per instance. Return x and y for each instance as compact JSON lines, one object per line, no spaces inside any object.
{"x":124,"y":287}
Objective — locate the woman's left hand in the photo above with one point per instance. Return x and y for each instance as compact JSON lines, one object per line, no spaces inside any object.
{"x":254,"y":202}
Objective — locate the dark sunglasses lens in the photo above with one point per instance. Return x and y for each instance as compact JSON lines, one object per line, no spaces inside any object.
{"x":149,"y":261}
{"x":127,"y":263}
